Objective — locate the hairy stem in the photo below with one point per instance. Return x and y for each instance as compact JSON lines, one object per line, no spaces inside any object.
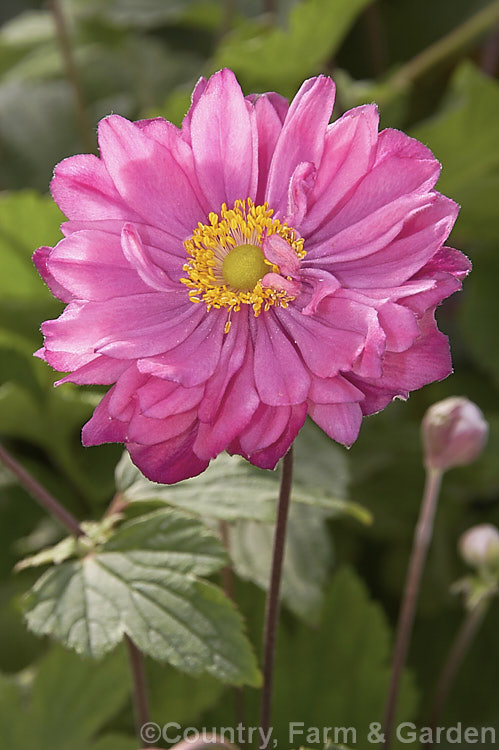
{"x":272,"y":608}
{"x":64,"y":39}
{"x":40,"y":494}
{"x":420,"y":545}
{"x":140,"y":697}
{"x":464,"y":638}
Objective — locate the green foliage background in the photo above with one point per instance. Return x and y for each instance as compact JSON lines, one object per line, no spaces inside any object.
{"x":344,"y":576}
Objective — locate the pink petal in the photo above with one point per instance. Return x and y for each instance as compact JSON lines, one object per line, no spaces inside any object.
{"x":337,"y":390}
{"x":301,"y":138}
{"x":419,"y":239}
{"x":155,"y":179}
{"x":195,"y":359}
{"x":83,"y":189}
{"x":223,"y":136}
{"x":270,"y":111}
{"x":300,"y":185}
{"x":268,"y":457}
{"x":195,"y":97}
{"x":280,"y":375}
{"x":92,"y":266}
{"x":325,"y":348}
{"x":100,"y":371}
{"x":40,"y":259}
{"x":231,"y":359}
{"x":323,"y":285}
{"x":400,"y":326}
{"x":279,"y":252}
{"x":138,"y":257}
{"x":349,"y":152}
{"x":266,"y":427}
{"x":340,"y":421}
{"x":240,"y":400}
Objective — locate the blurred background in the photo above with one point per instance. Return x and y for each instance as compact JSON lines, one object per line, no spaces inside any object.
{"x":432,"y":68}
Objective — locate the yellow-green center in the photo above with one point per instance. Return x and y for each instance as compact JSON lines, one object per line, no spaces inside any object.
{"x":244,"y":266}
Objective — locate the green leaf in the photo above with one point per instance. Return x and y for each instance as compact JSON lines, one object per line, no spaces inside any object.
{"x":279,"y":59}
{"x":231,"y":488}
{"x":337,"y":676}
{"x":27,"y":221}
{"x":463,"y":136}
{"x":65,"y":705}
{"x":145,"y":582}
{"x":175,"y":696}
{"x":307,"y":560}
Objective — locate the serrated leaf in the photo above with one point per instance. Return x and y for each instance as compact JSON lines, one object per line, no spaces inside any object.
{"x":144,"y":582}
{"x":279,"y":59}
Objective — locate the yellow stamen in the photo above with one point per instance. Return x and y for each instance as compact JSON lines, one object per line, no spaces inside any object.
{"x":226,"y":263}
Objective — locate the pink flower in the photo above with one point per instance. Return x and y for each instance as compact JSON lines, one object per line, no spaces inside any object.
{"x":256,"y":266}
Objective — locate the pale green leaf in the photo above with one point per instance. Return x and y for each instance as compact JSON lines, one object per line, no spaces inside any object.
{"x":307,"y":559}
{"x":144,"y":582}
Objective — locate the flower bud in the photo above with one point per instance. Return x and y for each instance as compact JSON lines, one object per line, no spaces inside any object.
{"x":479,"y":546}
{"x":454,"y":433}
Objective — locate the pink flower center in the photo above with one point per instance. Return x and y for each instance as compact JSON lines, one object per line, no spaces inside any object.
{"x":226,"y":265}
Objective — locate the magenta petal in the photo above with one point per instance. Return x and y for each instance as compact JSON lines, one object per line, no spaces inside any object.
{"x":340,"y":421}
{"x":168,"y":462}
{"x":300,"y":185}
{"x":268,"y":457}
{"x":150,"y":431}
{"x":301,"y":138}
{"x":223,"y":136}
{"x":280,"y":375}
{"x":100,"y":371}
{"x":155,"y":179}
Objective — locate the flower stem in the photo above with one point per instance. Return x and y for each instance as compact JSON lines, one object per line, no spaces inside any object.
{"x":459,"y":649}
{"x":44,"y":498}
{"x":140,"y":697}
{"x":445,"y":47}
{"x":272,"y":607}
{"x":64,"y":40}
{"x":421,"y":542}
